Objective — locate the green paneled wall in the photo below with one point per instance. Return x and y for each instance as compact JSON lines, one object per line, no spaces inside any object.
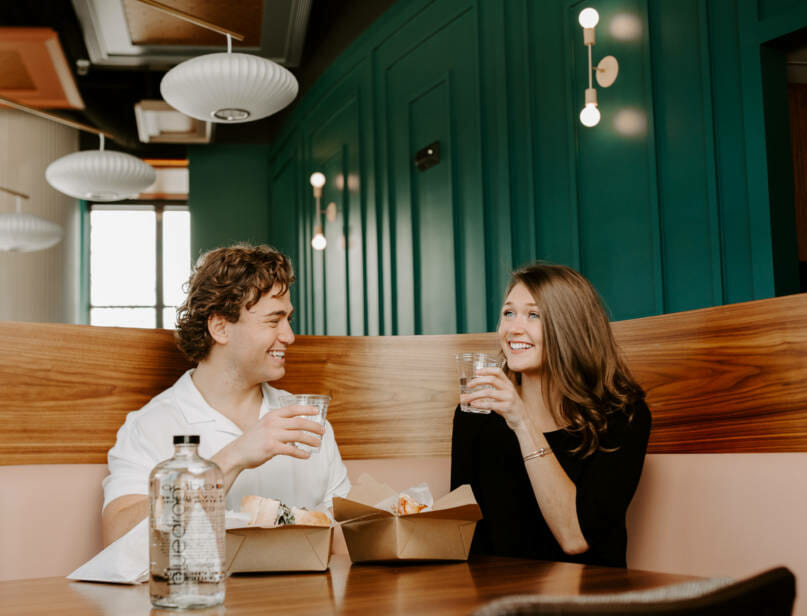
{"x":615,"y":165}
{"x":685,"y":153}
{"x":228,"y":197}
{"x":664,"y":205}
{"x":725,"y":86}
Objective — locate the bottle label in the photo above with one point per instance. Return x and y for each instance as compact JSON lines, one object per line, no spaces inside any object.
{"x":194,"y":553}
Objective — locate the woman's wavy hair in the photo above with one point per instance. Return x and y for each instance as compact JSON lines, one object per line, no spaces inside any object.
{"x":223,"y":281}
{"x":584,"y":377}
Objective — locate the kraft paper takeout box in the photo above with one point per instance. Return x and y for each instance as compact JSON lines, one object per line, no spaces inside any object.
{"x":285,"y":548}
{"x":371,"y":534}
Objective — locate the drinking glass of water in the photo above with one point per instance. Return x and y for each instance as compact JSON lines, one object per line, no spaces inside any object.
{"x":318,"y":402}
{"x":467,"y":366}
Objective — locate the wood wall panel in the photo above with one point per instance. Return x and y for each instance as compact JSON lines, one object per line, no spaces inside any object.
{"x":65,"y":389}
{"x":392,"y":395}
{"x":724,"y":379}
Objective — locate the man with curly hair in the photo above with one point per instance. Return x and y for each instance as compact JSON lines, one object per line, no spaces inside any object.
{"x":235,"y":325}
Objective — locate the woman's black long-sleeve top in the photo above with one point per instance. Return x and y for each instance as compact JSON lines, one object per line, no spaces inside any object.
{"x":485,"y":454}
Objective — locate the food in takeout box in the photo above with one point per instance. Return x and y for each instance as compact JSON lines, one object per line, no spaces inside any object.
{"x":412,"y":500}
{"x":269,"y":513}
{"x":382,"y":524}
{"x":269,"y":536}
{"x":407,"y":505}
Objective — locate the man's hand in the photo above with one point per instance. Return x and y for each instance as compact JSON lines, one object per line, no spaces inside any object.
{"x":273,"y":435}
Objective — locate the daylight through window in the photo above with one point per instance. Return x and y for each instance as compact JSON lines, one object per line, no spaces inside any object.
{"x":140,"y":257}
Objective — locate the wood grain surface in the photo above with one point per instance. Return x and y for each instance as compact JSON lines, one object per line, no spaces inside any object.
{"x":392,"y":396}
{"x":65,"y":389}
{"x":723,"y":379}
{"x":436,"y":589}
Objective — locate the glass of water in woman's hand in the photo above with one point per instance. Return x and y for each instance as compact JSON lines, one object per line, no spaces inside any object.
{"x":468,"y":365}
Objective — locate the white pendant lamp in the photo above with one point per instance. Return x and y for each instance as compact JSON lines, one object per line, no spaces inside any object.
{"x":97,"y":175}
{"x":100,"y":175}
{"x":228,"y":87}
{"x":26,"y":233}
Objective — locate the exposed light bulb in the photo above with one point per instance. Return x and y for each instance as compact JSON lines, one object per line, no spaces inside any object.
{"x":589,"y":18}
{"x":590,"y":115}
{"x":318,"y":242}
{"x":317,"y":179}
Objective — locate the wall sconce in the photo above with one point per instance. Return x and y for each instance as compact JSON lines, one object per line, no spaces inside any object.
{"x":318,"y":242}
{"x":607,"y":69}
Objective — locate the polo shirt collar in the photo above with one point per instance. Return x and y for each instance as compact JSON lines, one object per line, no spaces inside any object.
{"x":195,"y":408}
{"x":271,"y":398}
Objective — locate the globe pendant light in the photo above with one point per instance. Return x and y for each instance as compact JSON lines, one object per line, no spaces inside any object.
{"x":95,"y":175}
{"x":228,"y":87}
{"x":100,"y":175}
{"x":26,"y":233}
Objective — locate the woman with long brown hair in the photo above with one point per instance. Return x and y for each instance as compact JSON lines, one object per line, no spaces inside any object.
{"x":555,"y":465}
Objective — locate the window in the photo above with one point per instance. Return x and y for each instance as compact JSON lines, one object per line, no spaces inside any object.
{"x":140,"y":257}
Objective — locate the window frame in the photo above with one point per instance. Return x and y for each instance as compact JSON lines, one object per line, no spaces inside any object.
{"x":159,"y":207}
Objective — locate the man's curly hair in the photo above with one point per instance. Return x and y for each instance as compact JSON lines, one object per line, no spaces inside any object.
{"x":223,"y":281}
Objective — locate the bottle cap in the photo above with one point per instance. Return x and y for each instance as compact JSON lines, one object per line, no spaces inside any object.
{"x":187,"y":439}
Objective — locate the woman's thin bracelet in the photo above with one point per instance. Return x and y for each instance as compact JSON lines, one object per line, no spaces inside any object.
{"x":538,"y":453}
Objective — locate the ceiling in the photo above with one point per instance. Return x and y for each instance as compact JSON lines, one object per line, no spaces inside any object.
{"x":119,"y":50}
{"x":123,"y":33}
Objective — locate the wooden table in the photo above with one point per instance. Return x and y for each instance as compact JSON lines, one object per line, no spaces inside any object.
{"x":454,"y":588}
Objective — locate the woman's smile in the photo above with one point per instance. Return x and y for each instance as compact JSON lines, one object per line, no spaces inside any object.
{"x":518,"y":346}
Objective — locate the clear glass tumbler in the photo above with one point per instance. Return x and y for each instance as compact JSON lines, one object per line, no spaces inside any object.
{"x":467,"y":366}
{"x":318,"y":402}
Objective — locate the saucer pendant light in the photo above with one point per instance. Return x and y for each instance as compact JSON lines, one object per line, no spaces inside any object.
{"x":26,"y":233}
{"x":228,"y":87}
{"x":97,"y":175}
{"x":100,"y":175}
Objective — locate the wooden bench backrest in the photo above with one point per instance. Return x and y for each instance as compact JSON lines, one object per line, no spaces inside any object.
{"x":723,"y":379}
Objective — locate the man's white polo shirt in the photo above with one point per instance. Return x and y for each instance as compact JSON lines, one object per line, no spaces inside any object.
{"x":146,"y":439}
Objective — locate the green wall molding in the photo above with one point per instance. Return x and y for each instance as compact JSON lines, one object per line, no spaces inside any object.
{"x":674,"y":217}
{"x":228,"y":195}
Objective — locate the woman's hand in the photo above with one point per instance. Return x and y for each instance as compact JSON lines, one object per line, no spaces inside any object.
{"x":500,"y":397}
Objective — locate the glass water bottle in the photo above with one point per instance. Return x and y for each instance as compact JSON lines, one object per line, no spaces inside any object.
{"x":186,"y":520}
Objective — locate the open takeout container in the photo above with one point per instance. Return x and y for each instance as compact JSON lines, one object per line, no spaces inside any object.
{"x":284,"y":548}
{"x":442,"y":533}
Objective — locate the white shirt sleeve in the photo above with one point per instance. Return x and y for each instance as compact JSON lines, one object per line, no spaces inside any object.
{"x":338,"y":481}
{"x":130,"y":462}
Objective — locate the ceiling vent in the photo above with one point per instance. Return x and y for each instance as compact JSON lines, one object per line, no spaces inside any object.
{"x":158,"y":122}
